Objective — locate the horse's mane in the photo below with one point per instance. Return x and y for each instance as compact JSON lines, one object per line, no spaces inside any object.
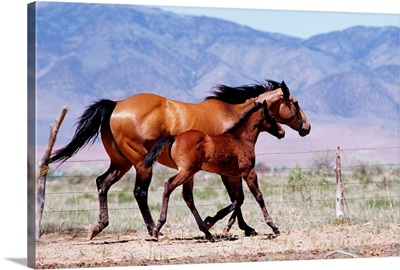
{"x":239,"y":94}
{"x":244,"y":117}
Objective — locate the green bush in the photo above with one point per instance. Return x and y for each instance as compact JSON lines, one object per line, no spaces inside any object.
{"x":300,"y":182}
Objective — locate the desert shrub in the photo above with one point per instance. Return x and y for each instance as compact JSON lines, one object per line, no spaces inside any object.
{"x":364,"y":171}
{"x":299,"y":182}
{"x":322,"y":161}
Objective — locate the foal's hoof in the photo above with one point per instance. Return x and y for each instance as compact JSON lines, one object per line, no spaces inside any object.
{"x":226,"y":229}
{"x":162,"y":238}
{"x":93,"y":232}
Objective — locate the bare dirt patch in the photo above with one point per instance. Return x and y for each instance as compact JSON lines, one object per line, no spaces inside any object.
{"x":73,"y":250}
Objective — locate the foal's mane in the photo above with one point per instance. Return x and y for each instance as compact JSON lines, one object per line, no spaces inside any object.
{"x":244,"y":117}
{"x":239,"y":94}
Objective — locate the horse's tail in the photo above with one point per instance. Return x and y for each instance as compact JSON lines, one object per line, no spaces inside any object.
{"x":151,"y":157}
{"x":87,"y":130}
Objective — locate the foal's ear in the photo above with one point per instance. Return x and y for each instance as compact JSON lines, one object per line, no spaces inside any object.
{"x":265,"y":104}
{"x":267,"y":112}
{"x":285,"y":90}
{"x":256,"y":103}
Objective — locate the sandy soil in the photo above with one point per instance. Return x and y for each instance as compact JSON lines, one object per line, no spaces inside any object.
{"x":73,"y":250}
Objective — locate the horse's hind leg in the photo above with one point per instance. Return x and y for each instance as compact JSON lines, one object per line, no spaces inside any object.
{"x":142,"y":183}
{"x":187,"y":194}
{"x":252,"y":183}
{"x":104,"y":182}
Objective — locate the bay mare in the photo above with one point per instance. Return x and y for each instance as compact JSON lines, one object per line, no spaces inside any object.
{"x":229,"y":154}
{"x":130,"y":127}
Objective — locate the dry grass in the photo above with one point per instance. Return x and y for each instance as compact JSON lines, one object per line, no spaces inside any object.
{"x":295,"y":198}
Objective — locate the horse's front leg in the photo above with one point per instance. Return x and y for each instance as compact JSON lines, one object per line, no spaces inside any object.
{"x":187,"y":194}
{"x":252,"y":183}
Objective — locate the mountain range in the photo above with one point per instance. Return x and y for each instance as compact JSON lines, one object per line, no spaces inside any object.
{"x":90,"y":51}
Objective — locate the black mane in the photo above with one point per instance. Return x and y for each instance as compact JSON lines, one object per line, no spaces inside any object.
{"x":239,"y":94}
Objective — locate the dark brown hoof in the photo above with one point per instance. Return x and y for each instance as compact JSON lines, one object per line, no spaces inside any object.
{"x":210,"y":238}
{"x":93,"y":232}
{"x":250,"y":233}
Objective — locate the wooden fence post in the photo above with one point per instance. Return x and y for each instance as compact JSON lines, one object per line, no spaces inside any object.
{"x":44,"y":167}
{"x":339,"y":187}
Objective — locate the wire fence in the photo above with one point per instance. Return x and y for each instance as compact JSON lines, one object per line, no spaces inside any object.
{"x":350,"y":180}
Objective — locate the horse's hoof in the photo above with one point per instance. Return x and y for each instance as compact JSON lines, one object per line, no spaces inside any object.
{"x":250,"y":233}
{"x":277,"y":232}
{"x":162,"y":238}
{"x":211,"y":238}
{"x":155,"y":233}
{"x":93,"y":232}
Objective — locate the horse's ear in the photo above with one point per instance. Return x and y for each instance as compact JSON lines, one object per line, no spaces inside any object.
{"x":285,"y":90}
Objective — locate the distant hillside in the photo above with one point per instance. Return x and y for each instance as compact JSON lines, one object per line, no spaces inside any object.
{"x":88,"y":51}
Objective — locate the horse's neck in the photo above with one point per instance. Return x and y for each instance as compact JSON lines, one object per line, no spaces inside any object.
{"x":222,"y":114}
{"x":228,"y":114}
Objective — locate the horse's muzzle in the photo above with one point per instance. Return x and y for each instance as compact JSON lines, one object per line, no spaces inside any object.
{"x":281,"y":135}
{"x":305,"y":129}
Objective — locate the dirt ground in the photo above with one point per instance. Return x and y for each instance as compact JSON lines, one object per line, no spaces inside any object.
{"x":73,"y":250}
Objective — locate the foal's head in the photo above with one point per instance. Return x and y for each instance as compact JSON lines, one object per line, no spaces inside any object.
{"x":270,"y":124}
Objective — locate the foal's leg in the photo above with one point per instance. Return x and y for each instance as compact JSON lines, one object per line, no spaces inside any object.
{"x":235,"y":192}
{"x":234,"y":187}
{"x":104,"y":182}
{"x":187,"y":194}
{"x":248,"y":231}
{"x":252,"y":183}
{"x":169,"y":185}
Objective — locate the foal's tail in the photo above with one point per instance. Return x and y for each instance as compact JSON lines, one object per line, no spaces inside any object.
{"x":87,"y":130}
{"x":157,"y":149}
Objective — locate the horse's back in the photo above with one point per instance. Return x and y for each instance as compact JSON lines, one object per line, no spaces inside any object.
{"x":139,"y":104}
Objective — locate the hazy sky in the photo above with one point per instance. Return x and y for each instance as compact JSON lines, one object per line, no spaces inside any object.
{"x":303,"y":24}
